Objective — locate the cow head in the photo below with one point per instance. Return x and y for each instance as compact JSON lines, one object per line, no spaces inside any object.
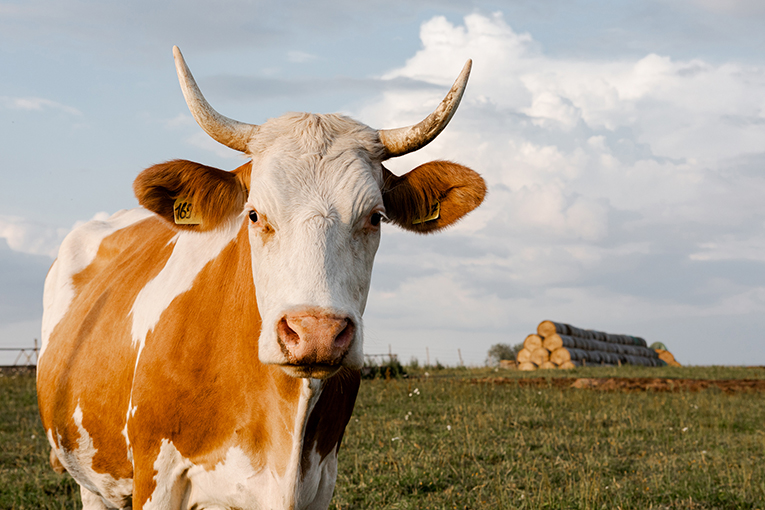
{"x":314,"y":196}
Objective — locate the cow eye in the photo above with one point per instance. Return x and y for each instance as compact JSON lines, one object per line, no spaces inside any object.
{"x":254,"y":216}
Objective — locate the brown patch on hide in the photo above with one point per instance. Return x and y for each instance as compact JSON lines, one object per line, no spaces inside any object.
{"x":89,"y":359}
{"x":411,"y":198}
{"x":202,"y":386}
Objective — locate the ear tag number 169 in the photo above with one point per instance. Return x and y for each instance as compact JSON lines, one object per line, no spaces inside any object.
{"x":184,"y":213}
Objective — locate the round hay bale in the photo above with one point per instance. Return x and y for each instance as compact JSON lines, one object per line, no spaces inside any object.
{"x":560,"y":356}
{"x":552,"y":342}
{"x":567,"y":365}
{"x":547,"y":328}
{"x":539,"y":356}
{"x":548,"y":365}
{"x":523,"y":356}
{"x":532,"y":342}
{"x":527,"y":366}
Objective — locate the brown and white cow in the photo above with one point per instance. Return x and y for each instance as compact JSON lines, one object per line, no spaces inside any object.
{"x":166,"y":381}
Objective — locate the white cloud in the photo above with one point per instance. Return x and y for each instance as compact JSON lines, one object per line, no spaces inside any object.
{"x":182,"y":120}
{"x":624,"y":191}
{"x":36,"y":104}
{"x":728,"y":247}
{"x":29,"y":237}
{"x":300,"y":57}
{"x":617,"y":188}
{"x":34,"y":238}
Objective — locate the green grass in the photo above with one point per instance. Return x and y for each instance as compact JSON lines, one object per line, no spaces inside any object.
{"x":452,"y":444}
{"x":457,"y":444}
{"x":26,"y":479}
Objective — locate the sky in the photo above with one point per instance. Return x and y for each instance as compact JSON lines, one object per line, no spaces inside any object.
{"x":623,"y":144}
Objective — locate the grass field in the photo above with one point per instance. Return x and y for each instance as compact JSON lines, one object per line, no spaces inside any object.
{"x":446,"y":442}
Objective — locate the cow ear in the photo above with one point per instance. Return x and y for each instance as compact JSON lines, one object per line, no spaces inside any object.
{"x":432,"y":196}
{"x":190,"y":195}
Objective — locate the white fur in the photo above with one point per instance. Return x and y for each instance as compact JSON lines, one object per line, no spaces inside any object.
{"x":316,"y":179}
{"x":171,"y":491}
{"x":79,"y":463}
{"x":235,"y":483}
{"x":316,"y":185}
{"x":318,"y":485}
{"x":191,"y":252}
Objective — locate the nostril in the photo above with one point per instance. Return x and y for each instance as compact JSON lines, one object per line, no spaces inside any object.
{"x":287,"y":334}
{"x":343,"y":339}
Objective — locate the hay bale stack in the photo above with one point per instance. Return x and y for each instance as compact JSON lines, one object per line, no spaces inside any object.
{"x":565,"y":346}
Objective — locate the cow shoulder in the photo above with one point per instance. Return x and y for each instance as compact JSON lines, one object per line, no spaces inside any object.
{"x":215,"y":195}
{"x":432,"y":196}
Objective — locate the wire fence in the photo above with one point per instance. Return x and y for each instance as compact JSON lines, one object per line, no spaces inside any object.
{"x":27,"y":356}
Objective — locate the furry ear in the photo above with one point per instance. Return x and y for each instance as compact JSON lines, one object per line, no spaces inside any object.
{"x":203,"y":195}
{"x":432,"y":196}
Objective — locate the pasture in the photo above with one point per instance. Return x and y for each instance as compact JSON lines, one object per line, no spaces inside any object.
{"x":477,"y":438}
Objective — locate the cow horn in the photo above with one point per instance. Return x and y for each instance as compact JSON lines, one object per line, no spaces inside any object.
{"x":404,"y":140}
{"x":229,"y":132}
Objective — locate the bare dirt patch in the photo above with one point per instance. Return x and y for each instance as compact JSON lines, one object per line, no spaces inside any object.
{"x":631,"y":383}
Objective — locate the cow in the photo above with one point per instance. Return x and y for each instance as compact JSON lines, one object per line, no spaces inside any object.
{"x":204,"y":350}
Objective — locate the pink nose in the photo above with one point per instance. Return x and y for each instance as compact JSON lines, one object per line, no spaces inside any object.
{"x":309,"y":338}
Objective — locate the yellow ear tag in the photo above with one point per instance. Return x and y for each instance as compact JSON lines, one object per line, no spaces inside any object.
{"x":184,"y":213}
{"x":435,"y":213}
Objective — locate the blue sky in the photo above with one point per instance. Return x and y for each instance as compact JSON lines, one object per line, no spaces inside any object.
{"x":623,"y":144}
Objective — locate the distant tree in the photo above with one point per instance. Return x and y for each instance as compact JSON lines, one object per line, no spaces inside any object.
{"x":499,"y":352}
{"x":391,"y":369}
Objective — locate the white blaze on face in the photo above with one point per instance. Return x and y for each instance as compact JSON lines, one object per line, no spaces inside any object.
{"x":313,"y":191}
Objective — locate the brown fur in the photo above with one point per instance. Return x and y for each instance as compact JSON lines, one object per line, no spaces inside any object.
{"x":89,"y":359}
{"x":216,"y":194}
{"x":203,"y":387}
{"x":199,"y":382}
{"x":410,"y":197}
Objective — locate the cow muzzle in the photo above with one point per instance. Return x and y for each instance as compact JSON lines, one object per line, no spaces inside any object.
{"x":313,"y":342}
